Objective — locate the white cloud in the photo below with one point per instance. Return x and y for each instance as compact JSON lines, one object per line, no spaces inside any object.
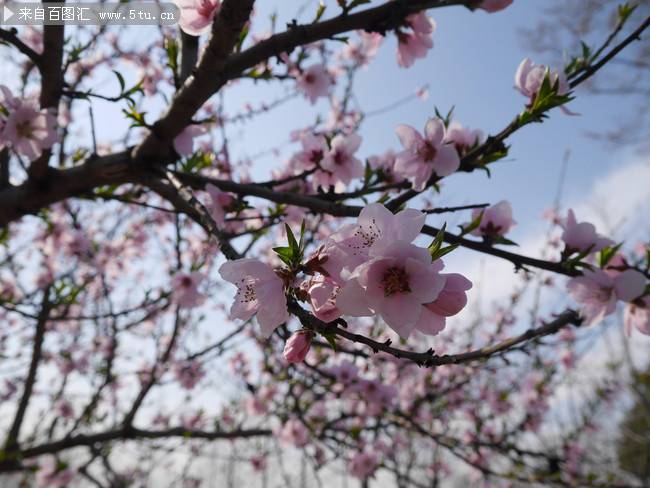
{"x":618,"y":203}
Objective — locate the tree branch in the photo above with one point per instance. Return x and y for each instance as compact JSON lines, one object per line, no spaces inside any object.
{"x":14,"y":431}
{"x":11,"y":37}
{"x":591,"y":70}
{"x":429,"y":358}
{"x":199,"y":87}
{"x":189,"y":55}
{"x":51,"y":86}
{"x":9,"y":462}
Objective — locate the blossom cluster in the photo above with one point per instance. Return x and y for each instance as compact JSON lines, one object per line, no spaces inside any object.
{"x":25,"y":128}
{"x":599,"y":289}
{"x":365,"y":269}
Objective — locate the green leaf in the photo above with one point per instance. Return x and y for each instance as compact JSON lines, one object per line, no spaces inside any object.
{"x":120,"y":79}
{"x":443,"y":251}
{"x":171,"y":48}
{"x":301,"y":244}
{"x":242,"y":38}
{"x":331,"y":339}
{"x":586,"y":50}
{"x":435,"y":248}
{"x":504,"y":241}
{"x":196,"y":162}
{"x":133,"y":114}
{"x":367,"y":174}
{"x":4,"y":235}
{"x":625,"y":10}
{"x":320,"y":11}
{"x":473,"y":225}
{"x":437,"y":241}
{"x":607,"y":253}
{"x":357,"y":3}
{"x":293,"y":244}
{"x":547,"y":98}
{"x":446,"y":119}
{"x":79,"y":155}
{"x":285,"y":254}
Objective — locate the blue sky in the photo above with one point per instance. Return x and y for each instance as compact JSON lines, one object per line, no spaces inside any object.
{"x":471,"y":67}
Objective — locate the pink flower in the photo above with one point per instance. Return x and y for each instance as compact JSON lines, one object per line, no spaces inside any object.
{"x":197,"y":15}
{"x":346,"y":373}
{"x":297,"y":346}
{"x":313,"y":151}
{"x":259,"y":291}
{"x":496,"y":221}
{"x":314,"y":82}
{"x":322,"y":297}
{"x":294,"y":432}
{"x":597,"y":292}
{"x":492,"y":6}
{"x":339,"y":163}
{"x":529,"y":78}
{"x":52,"y":473}
{"x":361,"y":53}
{"x":26,"y":129}
{"x":416,"y":44}
{"x":573,"y":455}
{"x":258,"y":462}
{"x":219,"y":200}
{"x":394,"y":283}
{"x":637,"y":316}
{"x":64,"y":409}
{"x":463,"y":138}
{"x":451,"y":300}
{"x":188,"y":373}
{"x":582,"y":236}
{"x":7,"y":99}
{"x":384,"y":163}
{"x":425,"y":155}
{"x":376,"y":228}
{"x":363,"y":464}
{"x":184,"y":142}
{"x":185,"y":288}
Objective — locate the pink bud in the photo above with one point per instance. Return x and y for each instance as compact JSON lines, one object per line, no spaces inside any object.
{"x":453,"y":298}
{"x":492,"y":6}
{"x":297,"y":347}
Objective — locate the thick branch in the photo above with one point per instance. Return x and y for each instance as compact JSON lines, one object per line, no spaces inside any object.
{"x":51,"y":85}
{"x":30,"y":197}
{"x":189,"y":55}
{"x":198,"y":88}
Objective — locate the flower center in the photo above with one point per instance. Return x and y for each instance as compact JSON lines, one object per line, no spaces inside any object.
{"x":339,"y":158}
{"x":186,"y":282}
{"x":316,"y":156}
{"x":310,"y":78}
{"x":246,"y":292}
{"x":368,"y":236}
{"x":24,"y":129}
{"x":427,"y":152}
{"x":603,"y":293}
{"x":395,"y":280}
{"x":206,"y":7}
